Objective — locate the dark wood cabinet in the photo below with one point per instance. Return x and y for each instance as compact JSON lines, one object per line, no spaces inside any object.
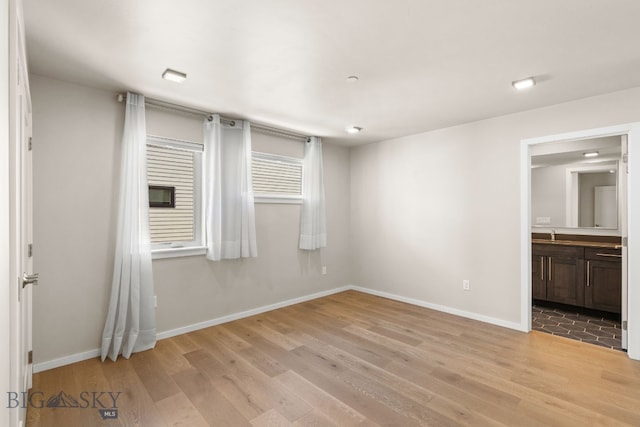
{"x":603,"y":286}
{"x":558,"y":274}
{"x":588,"y":277}
{"x":538,"y":281}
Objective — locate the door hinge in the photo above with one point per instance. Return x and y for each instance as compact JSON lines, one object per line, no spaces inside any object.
{"x":30,"y":143}
{"x":30,"y":250}
{"x":624,"y":242}
{"x":30,"y":357}
{"x":624,"y":325}
{"x":625,"y":158}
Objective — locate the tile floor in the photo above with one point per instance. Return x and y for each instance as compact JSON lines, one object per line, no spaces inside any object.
{"x":578,"y":326}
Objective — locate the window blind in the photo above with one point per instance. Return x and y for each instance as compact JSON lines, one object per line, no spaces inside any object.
{"x":172,"y":167}
{"x":276,"y":175}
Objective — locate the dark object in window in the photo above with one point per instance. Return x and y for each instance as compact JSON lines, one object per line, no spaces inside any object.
{"x":162,"y":197}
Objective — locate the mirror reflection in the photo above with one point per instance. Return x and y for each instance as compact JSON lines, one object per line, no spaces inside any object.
{"x":574,"y":184}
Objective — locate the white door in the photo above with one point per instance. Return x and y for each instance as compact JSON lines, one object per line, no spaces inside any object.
{"x":605,"y":213}
{"x":623,"y":172}
{"x":21,"y":221}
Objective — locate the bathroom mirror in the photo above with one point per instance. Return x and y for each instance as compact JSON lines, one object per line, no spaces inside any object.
{"x":574,"y":184}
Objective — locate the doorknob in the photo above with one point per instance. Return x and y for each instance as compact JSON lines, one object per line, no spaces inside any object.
{"x":29,"y":279}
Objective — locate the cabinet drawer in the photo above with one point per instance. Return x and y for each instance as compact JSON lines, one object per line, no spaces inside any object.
{"x":596,"y":254}
{"x":561,"y":251}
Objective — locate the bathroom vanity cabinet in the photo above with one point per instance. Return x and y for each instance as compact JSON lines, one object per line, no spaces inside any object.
{"x":603,"y":286}
{"x":583,"y":274}
{"x":558,"y":274}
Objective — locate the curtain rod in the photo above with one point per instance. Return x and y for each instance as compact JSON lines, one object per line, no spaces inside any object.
{"x":269,"y":130}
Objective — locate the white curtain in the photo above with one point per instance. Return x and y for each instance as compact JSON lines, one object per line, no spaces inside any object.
{"x":313,"y":222}
{"x":229,"y":205}
{"x":131,"y":323}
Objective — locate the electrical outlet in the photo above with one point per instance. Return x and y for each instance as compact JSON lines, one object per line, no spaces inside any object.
{"x":155,"y":301}
{"x":324,"y":269}
{"x":465,"y":285}
{"x":543,"y":220}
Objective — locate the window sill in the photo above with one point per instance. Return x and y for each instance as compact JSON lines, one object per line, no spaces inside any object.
{"x":178,"y":252}
{"x":278,"y":199}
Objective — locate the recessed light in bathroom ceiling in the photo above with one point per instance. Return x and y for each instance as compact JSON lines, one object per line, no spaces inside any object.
{"x":353,"y":129}
{"x":524,"y":83}
{"x":352,"y":79}
{"x":591,"y":154}
{"x":174,"y":76}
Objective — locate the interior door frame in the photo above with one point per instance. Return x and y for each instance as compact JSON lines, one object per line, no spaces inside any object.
{"x":5,"y":209}
{"x":630,"y":253}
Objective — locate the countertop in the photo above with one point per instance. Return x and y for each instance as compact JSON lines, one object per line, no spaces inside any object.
{"x":585,"y":244}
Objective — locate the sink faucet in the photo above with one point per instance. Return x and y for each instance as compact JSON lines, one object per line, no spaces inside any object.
{"x":553,"y":235}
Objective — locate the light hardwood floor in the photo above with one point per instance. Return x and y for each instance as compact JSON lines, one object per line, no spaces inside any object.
{"x":354,"y":359}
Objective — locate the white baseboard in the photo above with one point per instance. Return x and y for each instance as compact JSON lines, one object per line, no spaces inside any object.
{"x":78,"y":357}
{"x":442,"y":308}
{"x":66,"y":360}
{"x":248,"y":313}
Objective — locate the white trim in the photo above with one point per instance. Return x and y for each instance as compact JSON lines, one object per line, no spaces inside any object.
{"x":525,"y":238}
{"x":176,"y":144}
{"x":66,"y":360}
{"x":178,"y":252}
{"x":248,"y":313}
{"x":633,"y":219}
{"x":441,"y":308}
{"x":583,"y":134}
{"x":280,"y":199}
{"x":633,"y":247}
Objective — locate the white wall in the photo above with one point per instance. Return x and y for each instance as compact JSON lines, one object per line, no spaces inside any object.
{"x":77,"y":134}
{"x":432,"y":209}
{"x":75,"y":161}
{"x":549,"y":194}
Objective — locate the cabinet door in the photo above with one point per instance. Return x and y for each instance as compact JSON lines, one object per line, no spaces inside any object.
{"x":603,"y":289}
{"x":563,"y":279}
{"x":538,"y":282}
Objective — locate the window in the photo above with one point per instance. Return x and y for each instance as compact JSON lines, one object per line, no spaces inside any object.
{"x":174,"y":174}
{"x":162,"y":197}
{"x":276,"y":179}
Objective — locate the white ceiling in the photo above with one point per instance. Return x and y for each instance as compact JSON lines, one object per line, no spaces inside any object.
{"x":423,"y":64}
{"x":609,"y":150}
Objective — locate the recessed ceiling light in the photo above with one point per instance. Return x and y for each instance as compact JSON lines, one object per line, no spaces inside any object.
{"x":524,"y":83}
{"x":353,"y":129}
{"x":174,"y":76}
{"x":352,"y":79}
{"x":591,"y":154}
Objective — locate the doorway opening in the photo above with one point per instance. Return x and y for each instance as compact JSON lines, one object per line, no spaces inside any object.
{"x":570,"y":297}
{"x":576,"y":213}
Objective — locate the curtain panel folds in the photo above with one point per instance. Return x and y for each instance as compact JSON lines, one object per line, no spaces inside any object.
{"x":229,"y":203}
{"x":131,"y":325}
{"x":313,"y":222}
